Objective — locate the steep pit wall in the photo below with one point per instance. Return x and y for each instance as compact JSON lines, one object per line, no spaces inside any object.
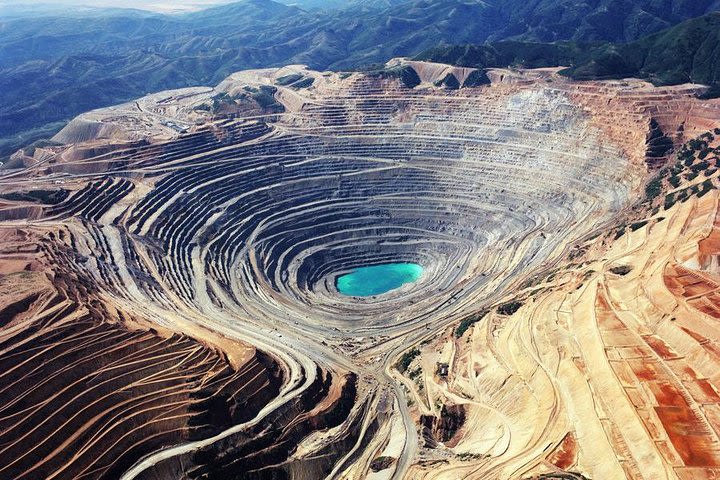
{"x":242,"y":225}
{"x":87,"y":392}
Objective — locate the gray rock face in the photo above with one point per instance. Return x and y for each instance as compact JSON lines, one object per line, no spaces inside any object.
{"x":474,"y":186}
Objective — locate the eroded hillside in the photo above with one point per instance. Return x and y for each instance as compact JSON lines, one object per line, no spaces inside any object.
{"x":190,"y":242}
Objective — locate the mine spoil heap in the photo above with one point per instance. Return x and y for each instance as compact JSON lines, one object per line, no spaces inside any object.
{"x":169,"y":266}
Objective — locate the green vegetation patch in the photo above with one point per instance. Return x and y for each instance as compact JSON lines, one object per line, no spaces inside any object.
{"x":304,"y":83}
{"x":50,"y":197}
{"x":295,"y":80}
{"x":476,"y":78}
{"x":381,"y":463}
{"x":669,"y":201}
{"x":638,"y":225}
{"x":621,"y":270}
{"x":286,"y":80}
{"x":468,"y":322}
{"x":705,"y":188}
{"x":653,"y":188}
{"x":405,"y":73}
{"x":406,"y":359}
{"x":509,"y":308}
{"x":263,"y":95}
{"x":450,"y":82}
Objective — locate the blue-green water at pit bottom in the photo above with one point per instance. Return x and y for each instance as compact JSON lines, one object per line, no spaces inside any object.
{"x":377,"y":279}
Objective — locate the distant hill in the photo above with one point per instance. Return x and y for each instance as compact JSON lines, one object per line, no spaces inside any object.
{"x":54,"y":66}
{"x":688,"y":52}
{"x":597,"y":20}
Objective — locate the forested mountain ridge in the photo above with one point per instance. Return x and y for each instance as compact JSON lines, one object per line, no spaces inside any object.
{"x":55,"y":66}
{"x":686,"y":53}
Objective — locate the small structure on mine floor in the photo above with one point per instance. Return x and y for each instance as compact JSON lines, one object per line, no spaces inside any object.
{"x":443,"y":369}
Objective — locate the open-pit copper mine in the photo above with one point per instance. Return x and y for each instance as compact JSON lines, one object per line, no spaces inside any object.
{"x":169,"y":267}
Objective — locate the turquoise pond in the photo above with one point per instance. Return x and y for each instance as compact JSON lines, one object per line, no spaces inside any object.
{"x":378,"y":279}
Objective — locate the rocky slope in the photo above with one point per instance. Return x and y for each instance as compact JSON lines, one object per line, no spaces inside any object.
{"x":543,"y":339}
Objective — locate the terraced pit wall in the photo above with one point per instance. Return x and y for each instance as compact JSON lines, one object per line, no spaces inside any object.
{"x":236,"y":229}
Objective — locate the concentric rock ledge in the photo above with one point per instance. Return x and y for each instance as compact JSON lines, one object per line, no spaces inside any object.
{"x":228,"y":213}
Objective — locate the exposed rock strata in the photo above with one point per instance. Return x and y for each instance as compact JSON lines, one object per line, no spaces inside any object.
{"x":213,"y":214}
{"x":86,"y":392}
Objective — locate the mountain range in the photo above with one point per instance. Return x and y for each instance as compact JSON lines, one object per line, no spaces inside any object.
{"x":54,"y":66}
{"x":686,"y":53}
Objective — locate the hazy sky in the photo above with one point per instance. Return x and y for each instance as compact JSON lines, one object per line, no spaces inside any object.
{"x":154,"y":5}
